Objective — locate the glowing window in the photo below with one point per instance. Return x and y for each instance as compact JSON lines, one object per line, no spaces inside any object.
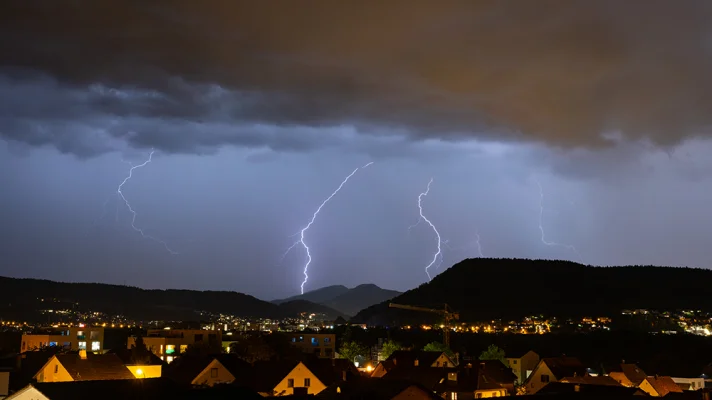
{"x":170,"y":348}
{"x":169,"y":359}
{"x":95,"y":346}
{"x":82,"y":345}
{"x":183,"y":348}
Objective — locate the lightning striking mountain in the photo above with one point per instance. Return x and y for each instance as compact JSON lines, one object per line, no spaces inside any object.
{"x":424,"y":218}
{"x":311,"y":222}
{"x":120,"y":193}
{"x":541,"y":226}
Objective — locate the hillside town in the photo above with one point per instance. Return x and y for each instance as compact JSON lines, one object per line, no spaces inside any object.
{"x":215,"y":363}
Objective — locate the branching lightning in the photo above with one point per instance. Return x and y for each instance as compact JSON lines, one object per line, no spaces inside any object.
{"x":313,"y":218}
{"x":541,"y":226}
{"x":437,"y":254}
{"x":128,"y":205}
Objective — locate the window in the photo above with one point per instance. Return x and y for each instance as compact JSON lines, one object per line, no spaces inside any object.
{"x":183,"y":348}
{"x":314,"y":341}
{"x":544,"y":378}
{"x":95,"y":346}
{"x":199,"y":337}
{"x":169,"y":359}
{"x":80,"y":335}
{"x":94,"y":335}
{"x":307,"y":382}
{"x":82,"y":345}
{"x":213,"y":372}
{"x":453,"y":396}
{"x":170,"y":348}
{"x":327,"y":340}
{"x":56,"y":368}
{"x":161,"y":352}
{"x":53,"y":344}
{"x":290,"y":383}
{"x":437,"y":363}
{"x":514,"y":362}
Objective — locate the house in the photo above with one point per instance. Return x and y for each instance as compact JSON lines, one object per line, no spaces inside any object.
{"x":469,"y":382}
{"x":414,"y":358}
{"x":501,"y":374}
{"x":376,"y":389}
{"x":83,"y":367}
{"x":523,"y":364}
{"x":629,"y":375}
{"x":282,"y":378}
{"x":168,"y":343}
{"x":205,"y":370}
{"x":690,"y":383}
{"x":553,"y":370}
{"x":566,"y":390}
{"x":141,"y":365}
{"x":322,"y":345}
{"x":134,"y":389}
{"x":74,"y":338}
{"x":659,"y":386}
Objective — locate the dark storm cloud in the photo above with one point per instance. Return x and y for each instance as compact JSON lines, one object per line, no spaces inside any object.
{"x":556,"y":71}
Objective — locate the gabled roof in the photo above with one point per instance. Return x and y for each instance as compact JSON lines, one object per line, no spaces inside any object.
{"x":497,"y":371}
{"x":663,"y":385}
{"x":632,"y":372}
{"x":94,"y":368}
{"x":604,"y":391}
{"x":126,"y":356}
{"x":563,"y":367}
{"x":187,"y":367}
{"x":592,"y":380}
{"x":372,"y":389}
{"x":408,"y":357}
{"x":332,"y":370}
{"x":519,"y":353}
{"x":423,"y":375}
{"x":468,"y":380}
{"x":265,"y":375}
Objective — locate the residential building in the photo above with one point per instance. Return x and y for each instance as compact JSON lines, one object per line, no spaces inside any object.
{"x":282,"y":378}
{"x":659,"y":386}
{"x":168,"y":343}
{"x":141,"y":365}
{"x":600,"y":380}
{"x":205,"y":370}
{"x":584,"y":390}
{"x":75,"y":338}
{"x":377,"y":389}
{"x":4,"y":383}
{"x":553,"y":370}
{"x":469,"y":382}
{"x":414,"y":358}
{"x":83,"y":367}
{"x":500,"y":373}
{"x":523,"y":364}
{"x":323,"y":345}
{"x":690,"y":383}
{"x":629,"y":375}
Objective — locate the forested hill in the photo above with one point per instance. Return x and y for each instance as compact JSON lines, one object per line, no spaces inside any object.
{"x":24,"y":298}
{"x":484,"y":289}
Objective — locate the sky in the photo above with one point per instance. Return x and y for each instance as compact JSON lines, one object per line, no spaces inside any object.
{"x":253,"y":115}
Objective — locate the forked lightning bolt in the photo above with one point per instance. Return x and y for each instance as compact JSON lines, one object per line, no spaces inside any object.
{"x":133,"y":213}
{"x":424,"y":218}
{"x":541,"y":226}
{"x":311,"y":222}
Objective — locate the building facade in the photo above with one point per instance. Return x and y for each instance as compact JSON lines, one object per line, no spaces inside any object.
{"x":168,"y":343}
{"x":74,"y":338}
{"x":323,"y":345}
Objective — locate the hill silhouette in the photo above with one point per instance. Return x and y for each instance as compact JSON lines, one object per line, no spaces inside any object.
{"x":294,"y":307}
{"x":484,"y":289}
{"x":344,"y":300}
{"x":24,"y":298}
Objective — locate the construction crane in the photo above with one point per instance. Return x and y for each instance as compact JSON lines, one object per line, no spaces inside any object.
{"x":445,"y":312}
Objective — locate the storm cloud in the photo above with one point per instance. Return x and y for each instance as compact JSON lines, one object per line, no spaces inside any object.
{"x":563,"y":73}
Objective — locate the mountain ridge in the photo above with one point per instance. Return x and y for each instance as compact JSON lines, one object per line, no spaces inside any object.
{"x":484,"y":289}
{"x":348,"y":301}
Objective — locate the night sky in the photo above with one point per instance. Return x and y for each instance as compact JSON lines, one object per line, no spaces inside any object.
{"x":257,"y":113}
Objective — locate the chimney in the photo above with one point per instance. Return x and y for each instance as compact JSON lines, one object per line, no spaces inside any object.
{"x":83,"y":354}
{"x":343,"y":375}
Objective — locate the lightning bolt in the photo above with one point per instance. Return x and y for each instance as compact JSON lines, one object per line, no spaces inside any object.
{"x":424,"y":218}
{"x":541,"y":226}
{"x":311,"y":222}
{"x":479,"y":245}
{"x":128,"y":205}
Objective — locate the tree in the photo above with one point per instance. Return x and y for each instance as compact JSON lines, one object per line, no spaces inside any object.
{"x":252,"y":348}
{"x":493,"y":352}
{"x":351,"y":350}
{"x":204,"y":348}
{"x":389,"y":347}
{"x":139,"y":352}
{"x":437,"y":346}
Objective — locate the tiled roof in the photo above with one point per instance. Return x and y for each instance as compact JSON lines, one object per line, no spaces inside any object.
{"x":467,"y":380}
{"x":563,"y":367}
{"x":497,"y":371}
{"x":187,"y":367}
{"x":331,"y":371}
{"x":126,"y":356}
{"x":263,"y":376}
{"x":601,"y":391}
{"x":95,"y":367}
{"x":372,"y":389}
{"x":408,"y":357}
{"x":663,"y":385}
{"x":426,"y":376}
{"x":592,"y":380}
{"x":633,"y":373}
